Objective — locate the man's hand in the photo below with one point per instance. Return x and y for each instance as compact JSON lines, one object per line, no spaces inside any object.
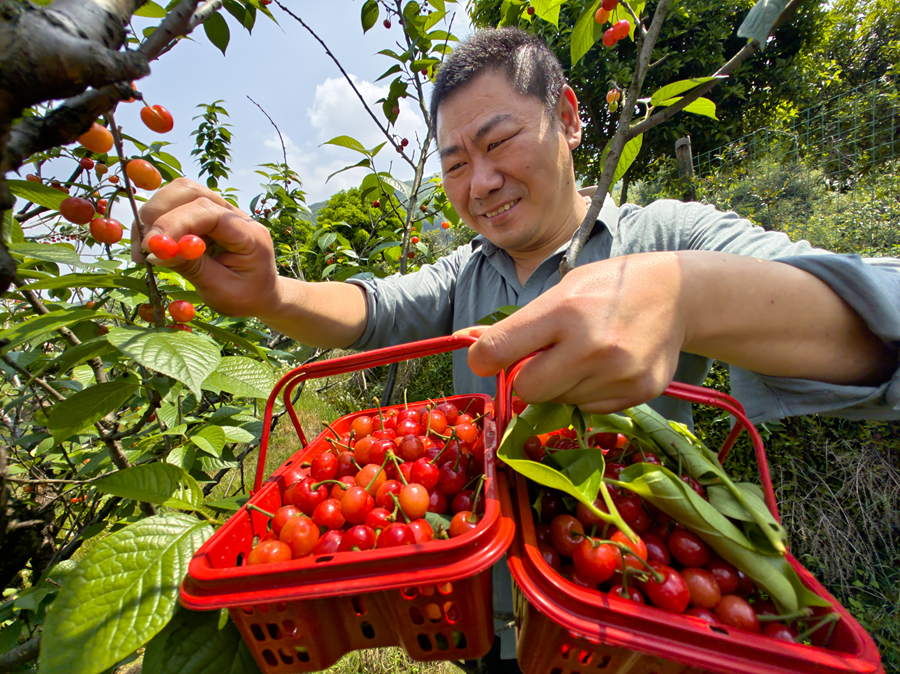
{"x":242,"y":280}
{"x":611,"y":332}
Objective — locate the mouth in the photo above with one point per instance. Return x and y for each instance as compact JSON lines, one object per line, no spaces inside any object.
{"x":505,"y":207}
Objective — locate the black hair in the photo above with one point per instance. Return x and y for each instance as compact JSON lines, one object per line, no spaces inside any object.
{"x":530,"y":66}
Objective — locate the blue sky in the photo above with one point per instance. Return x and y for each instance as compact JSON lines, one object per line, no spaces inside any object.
{"x":287,"y":72}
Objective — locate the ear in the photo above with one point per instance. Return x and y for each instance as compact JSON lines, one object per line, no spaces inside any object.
{"x":567,"y":114}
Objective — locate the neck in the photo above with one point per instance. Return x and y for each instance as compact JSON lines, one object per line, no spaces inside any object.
{"x":527,"y":261}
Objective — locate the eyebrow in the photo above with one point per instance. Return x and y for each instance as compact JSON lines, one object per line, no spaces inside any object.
{"x":481,"y":133}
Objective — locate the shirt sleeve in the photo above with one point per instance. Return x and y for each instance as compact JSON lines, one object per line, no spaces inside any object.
{"x":869,"y":287}
{"x":411,"y":307}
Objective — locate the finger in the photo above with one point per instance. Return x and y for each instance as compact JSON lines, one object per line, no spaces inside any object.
{"x":231,"y":229}
{"x":475,"y":331}
{"x":178,"y":193}
{"x":515,"y":337}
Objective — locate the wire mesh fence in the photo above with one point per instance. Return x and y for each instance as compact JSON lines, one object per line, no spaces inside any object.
{"x":827,"y":174}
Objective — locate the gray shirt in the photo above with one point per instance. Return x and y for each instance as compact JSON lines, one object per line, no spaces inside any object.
{"x":474,"y":280}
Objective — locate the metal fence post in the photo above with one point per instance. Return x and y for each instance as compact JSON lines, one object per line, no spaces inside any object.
{"x":686,"y":166}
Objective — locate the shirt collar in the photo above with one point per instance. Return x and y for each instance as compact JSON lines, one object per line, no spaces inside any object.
{"x":609,"y":217}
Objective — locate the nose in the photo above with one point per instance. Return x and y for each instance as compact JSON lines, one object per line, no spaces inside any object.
{"x":486,"y":178}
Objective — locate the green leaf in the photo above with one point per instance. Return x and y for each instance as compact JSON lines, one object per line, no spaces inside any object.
{"x":223,"y":335}
{"x":362,"y":163}
{"x":369,"y":14}
{"x":680,"y":87}
{"x":184,"y":356}
{"x":231,"y":504}
{"x":548,"y":10}
{"x":586,"y":32}
{"x":702,"y":106}
{"x":60,"y":253}
{"x":170,"y":160}
{"x":160,"y":483}
{"x":498,"y":315}
{"x":9,"y":636}
{"x":12,"y":229}
{"x":760,"y":20}
{"x":151,"y":10}
{"x":91,"y":281}
{"x":40,"y":325}
{"x":238,"y":434}
{"x":348,"y":142}
{"x":82,"y":409}
{"x":182,"y":456}
{"x":384,"y":246}
{"x":387,"y":73}
{"x":241,"y":376}
{"x":210,"y":439}
{"x":195,"y":643}
{"x":629,"y":154}
{"x":216,"y":29}
{"x":121,"y":595}
{"x":438,"y":522}
{"x":37,"y":193}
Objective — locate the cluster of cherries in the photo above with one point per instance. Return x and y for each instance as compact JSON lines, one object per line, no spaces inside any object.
{"x":620,"y":29}
{"x":374,"y":485}
{"x":668,"y":566}
{"x":99,"y":139}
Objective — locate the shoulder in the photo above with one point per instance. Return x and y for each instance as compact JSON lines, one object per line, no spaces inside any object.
{"x":664,"y":224}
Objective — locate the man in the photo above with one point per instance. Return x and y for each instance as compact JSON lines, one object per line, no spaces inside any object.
{"x":657,"y":291}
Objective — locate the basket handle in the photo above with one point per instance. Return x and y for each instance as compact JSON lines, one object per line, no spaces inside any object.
{"x":693,"y":394}
{"x":335,"y":366}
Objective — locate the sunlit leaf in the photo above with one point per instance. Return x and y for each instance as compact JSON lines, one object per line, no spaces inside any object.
{"x":160,"y":483}
{"x":586,"y":32}
{"x":82,"y":409}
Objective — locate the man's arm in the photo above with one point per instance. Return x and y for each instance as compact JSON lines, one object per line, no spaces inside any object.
{"x":243,"y":279}
{"x":612,"y":331}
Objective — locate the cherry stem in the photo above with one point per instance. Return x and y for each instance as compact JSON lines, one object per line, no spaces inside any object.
{"x":397,"y":463}
{"x":336,"y":434}
{"x":250,"y":506}
{"x":444,"y":448}
{"x":399,"y":509}
{"x":826,"y":620}
{"x":468,"y":406}
{"x":344,"y":485}
{"x":380,"y":471}
{"x":378,"y":407}
{"x":802,"y":613}
{"x":475,"y":499}
{"x":335,"y":444}
{"x":405,"y":404}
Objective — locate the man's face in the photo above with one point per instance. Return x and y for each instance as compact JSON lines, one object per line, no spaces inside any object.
{"x":507,"y":163}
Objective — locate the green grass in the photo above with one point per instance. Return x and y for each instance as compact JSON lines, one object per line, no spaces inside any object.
{"x":388,"y":661}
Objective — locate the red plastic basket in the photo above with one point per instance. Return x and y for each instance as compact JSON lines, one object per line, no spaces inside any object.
{"x":434,"y":600}
{"x":562,"y":628}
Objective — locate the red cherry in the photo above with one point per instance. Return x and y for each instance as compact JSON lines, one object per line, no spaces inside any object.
{"x":163,"y":247}
{"x":77,"y":210}
{"x":394,"y":535}
{"x":387,"y":23}
{"x":106,"y":230}
{"x":622,"y":29}
{"x":157,"y":118}
{"x":86,"y":163}
{"x":445,"y":224}
{"x":609,"y":37}
{"x":143,"y":174}
{"x":191,"y":246}
{"x":181,"y":311}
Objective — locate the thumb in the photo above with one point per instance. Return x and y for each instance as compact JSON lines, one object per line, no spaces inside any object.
{"x":510,"y":340}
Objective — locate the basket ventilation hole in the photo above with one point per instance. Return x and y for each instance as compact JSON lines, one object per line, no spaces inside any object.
{"x":368,"y":631}
{"x":426,"y":590}
{"x":603,"y":662}
{"x":424,"y":642}
{"x":264,"y":608}
{"x":280,"y":606}
{"x":441,"y":641}
{"x":247,"y":610}
{"x":416,"y":615}
{"x":359,"y":606}
{"x":433,"y":611}
{"x":451,"y":611}
{"x":408,"y":592}
{"x":556,"y":670}
{"x":285,"y":656}
{"x":326,"y":558}
{"x":271,"y":660}
{"x":274,"y":632}
{"x":257,"y":632}
{"x":459,"y":639}
{"x":564,"y":652}
{"x":445,"y":588}
{"x":239,"y":561}
{"x":290,"y":629}
{"x":584,"y":657}
{"x":302,"y":653}
{"x":719,"y":630}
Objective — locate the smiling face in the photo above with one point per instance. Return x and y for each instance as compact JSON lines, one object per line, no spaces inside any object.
{"x":507,"y":165}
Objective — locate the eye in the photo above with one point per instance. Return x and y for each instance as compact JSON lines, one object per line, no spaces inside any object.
{"x":495,"y":144}
{"x":453,"y":168}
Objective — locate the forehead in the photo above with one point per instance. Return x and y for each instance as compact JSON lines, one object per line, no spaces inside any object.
{"x":489,"y":97}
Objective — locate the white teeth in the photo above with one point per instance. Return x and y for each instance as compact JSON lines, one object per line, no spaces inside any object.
{"x":502,"y":209}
